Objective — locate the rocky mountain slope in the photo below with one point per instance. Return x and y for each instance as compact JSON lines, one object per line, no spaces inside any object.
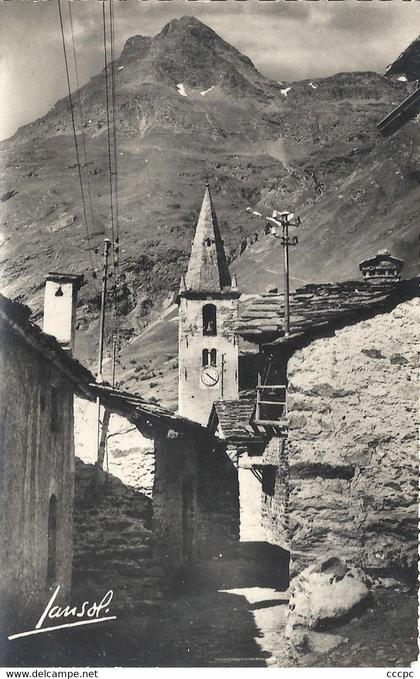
{"x":191,"y":108}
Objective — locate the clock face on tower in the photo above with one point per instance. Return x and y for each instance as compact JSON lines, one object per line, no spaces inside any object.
{"x":209,"y":376}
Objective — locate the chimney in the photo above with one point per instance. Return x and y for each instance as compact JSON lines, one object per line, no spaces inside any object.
{"x":60,"y":302}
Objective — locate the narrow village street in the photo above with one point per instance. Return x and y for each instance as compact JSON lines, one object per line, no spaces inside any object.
{"x":225,"y":614}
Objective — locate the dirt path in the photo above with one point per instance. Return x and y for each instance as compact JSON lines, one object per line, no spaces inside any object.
{"x":228,"y":613}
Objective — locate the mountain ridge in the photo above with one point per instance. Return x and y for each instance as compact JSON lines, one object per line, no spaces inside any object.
{"x":308,"y":146}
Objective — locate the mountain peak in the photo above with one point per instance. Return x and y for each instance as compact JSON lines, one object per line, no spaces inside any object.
{"x":189,"y":52}
{"x":187,"y":24}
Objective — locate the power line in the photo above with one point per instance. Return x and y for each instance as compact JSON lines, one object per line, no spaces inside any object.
{"x":85,"y":158}
{"x":75,"y":142}
{"x":116,"y":286}
{"x":113,"y":98}
{"x":108,"y":120}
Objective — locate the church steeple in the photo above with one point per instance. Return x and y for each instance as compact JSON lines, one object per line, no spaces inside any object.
{"x":208,"y":269}
{"x":208,"y":308}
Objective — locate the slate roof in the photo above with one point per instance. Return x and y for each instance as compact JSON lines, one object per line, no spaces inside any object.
{"x":234,"y":418}
{"x":207,"y":269}
{"x":319,"y":308}
{"x":382,"y":259}
{"x":77,"y":279}
{"x":134,"y":407}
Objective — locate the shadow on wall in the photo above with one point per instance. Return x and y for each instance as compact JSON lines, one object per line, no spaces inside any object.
{"x":113,"y":540}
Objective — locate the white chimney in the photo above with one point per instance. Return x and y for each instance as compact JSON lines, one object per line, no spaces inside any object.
{"x":60,"y":303}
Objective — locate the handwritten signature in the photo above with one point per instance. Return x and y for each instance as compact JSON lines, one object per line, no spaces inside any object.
{"x":90,"y":612}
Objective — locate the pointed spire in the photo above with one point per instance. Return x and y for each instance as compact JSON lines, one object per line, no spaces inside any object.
{"x":182,"y":285}
{"x":207,"y":269}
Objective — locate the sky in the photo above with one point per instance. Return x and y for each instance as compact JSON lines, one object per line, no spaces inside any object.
{"x":285,"y":39}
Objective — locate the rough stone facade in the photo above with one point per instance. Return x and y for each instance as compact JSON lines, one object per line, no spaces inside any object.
{"x":275,"y":493}
{"x":352,"y":452}
{"x":36,"y":473}
{"x":169,"y":498}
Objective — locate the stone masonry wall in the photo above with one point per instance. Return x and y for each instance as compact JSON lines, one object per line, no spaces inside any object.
{"x":275,"y":494}
{"x":130,"y":533}
{"x":215,"y":510}
{"x":352,"y":445}
{"x":36,"y":463}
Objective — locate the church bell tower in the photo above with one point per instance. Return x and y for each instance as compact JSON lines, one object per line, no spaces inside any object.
{"x":208,"y":307}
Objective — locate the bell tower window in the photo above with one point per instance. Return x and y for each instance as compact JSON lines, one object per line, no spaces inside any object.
{"x":209,"y":319}
{"x":213,"y":357}
{"x":205,"y":357}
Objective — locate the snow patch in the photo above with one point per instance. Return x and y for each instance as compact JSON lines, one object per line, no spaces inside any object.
{"x":285,"y":91}
{"x":204,"y":92}
{"x":402,"y":79}
{"x":181,"y":90}
{"x":314,"y":87}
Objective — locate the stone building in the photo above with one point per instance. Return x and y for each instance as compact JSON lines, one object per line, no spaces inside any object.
{"x":382,"y":267}
{"x":345,"y":478}
{"x":158,"y":506}
{"x":168,"y":499}
{"x":38,"y":381}
{"x":208,"y":306}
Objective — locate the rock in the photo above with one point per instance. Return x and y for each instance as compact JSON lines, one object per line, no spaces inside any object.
{"x":323,"y":594}
{"x":397,"y":359}
{"x":373,"y":353}
{"x":307,"y":641}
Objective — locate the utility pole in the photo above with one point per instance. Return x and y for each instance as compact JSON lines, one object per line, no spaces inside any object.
{"x":283,"y":220}
{"x":114,"y":358}
{"x":99,"y":376}
{"x":107,"y":246}
{"x":286,"y":242}
{"x":222,"y":380}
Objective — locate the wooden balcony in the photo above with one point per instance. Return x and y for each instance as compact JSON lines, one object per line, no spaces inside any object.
{"x":271,"y":405}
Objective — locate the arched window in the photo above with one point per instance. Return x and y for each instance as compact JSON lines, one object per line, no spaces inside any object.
{"x":209,"y":319}
{"x":205,"y":357}
{"x":213,"y":357}
{"x":52,"y":541}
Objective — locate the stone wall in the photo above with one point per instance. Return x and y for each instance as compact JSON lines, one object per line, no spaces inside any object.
{"x":214,"y":521}
{"x":168,"y":499}
{"x":113,"y":537}
{"x":352,"y":445}
{"x":275,"y":494}
{"x":36,"y":464}
{"x":113,"y":541}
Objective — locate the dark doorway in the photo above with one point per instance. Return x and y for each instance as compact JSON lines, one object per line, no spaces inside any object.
{"x":187,"y":519}
{"x":52,"y":541}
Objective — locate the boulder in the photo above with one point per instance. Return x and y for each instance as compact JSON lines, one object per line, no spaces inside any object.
{"x":328,"y":592}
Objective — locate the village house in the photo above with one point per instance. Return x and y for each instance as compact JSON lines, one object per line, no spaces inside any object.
{"x":279,"y":437}
{"x":350,"y":421}
{"x":38,"y":381}
{"x":136,"y":536}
